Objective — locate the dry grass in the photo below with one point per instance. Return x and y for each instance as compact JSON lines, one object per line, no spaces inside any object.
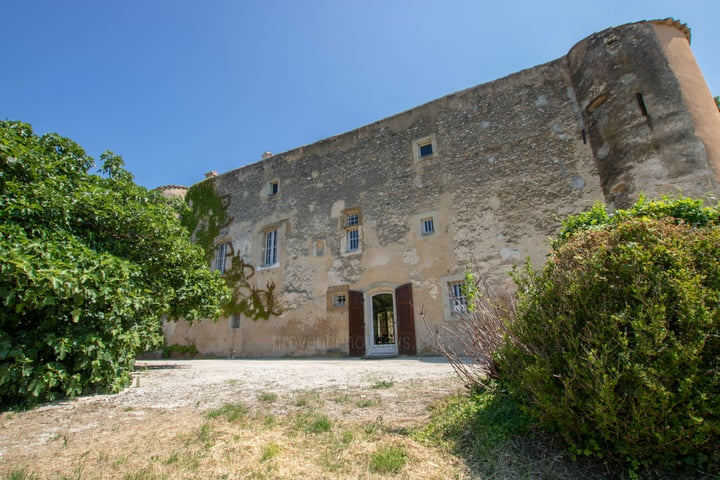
{"x":315,"y":434}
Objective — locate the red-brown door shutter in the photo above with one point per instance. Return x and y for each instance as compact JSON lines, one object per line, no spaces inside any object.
{"x":405,"y":320}
{"x":357,"y":324}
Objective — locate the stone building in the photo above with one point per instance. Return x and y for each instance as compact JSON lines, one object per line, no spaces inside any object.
{"x":363,"y":231}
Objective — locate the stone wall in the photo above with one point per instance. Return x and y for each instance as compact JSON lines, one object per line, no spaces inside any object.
{"x":508,"y":159}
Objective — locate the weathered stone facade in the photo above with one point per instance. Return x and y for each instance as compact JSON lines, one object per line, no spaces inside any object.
{"x":478,"y":179}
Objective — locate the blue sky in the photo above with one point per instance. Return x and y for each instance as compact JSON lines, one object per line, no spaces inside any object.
{"x":179,"y":87}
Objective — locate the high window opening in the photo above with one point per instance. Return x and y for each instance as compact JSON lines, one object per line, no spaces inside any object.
{"x":425,"y":147}
{"x":351,"y":224}
{"x":269,"y":255}
{"x":427,"y":226}
{"x":220,"y":259}
{"x":353,"y":240}
{"x":273,"y":188}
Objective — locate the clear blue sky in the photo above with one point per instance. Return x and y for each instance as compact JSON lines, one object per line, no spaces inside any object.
{"x":179,"y":87}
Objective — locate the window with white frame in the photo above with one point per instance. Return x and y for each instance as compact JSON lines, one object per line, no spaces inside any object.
{"x":273,"y":188}
{"x":427,"y":225}
{"x":353,"y":239}
{"x":458,"y":297}
{"x":220,"y":260}
{"x":235,"y":321}
{"x":352,"y":219}
{"x":269,"y":253}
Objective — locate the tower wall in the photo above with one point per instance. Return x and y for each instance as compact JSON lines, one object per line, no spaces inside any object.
{"x":638,"y":119}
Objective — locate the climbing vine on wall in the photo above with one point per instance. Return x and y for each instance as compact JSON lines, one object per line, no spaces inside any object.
{"x":247,"y":298}
{"x":204,"y":215}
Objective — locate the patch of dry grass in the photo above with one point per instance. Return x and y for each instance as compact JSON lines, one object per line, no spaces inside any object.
{"x":194,"y":446}
{"x":312,"y":435}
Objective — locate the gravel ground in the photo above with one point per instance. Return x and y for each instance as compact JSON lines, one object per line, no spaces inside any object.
{"x":399,"y":389}
{"x":184,"y":383}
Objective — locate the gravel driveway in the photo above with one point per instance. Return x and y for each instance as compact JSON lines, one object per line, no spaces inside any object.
{"x":184,"y":383}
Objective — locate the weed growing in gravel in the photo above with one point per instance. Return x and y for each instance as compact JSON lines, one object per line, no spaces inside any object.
{"x":306,"y":399}
{"x":267,"y":397}
{"x":342,"y":399}
{"x":367,"y":402}
{"x":382,"y":384}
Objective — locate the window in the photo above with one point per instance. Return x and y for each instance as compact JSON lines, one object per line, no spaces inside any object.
{"x":319,"y":247}
{"x":235,"y":321}
{"x":351,"y":223}
{"x":427,"y":225}
{"x":220,"y":260}
{"x":458,"y":300}
{"x":353,"y":239}
{"x":273,"y":188}
{"x":337,"y":298}
{"x":352,"y":219}
{"x":426,"y":148}
{"x":270,"y":249}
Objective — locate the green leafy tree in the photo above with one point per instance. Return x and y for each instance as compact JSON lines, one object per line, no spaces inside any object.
{"x":616,"y":343}
{"x":717,"y":102}
{"x":90,"y":264}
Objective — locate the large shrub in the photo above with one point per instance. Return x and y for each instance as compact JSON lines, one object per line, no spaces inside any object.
{"x":89,"y":265}
{"x":616,"y":343}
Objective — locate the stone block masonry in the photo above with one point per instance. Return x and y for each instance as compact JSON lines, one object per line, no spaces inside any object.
{"x":477,"y":179}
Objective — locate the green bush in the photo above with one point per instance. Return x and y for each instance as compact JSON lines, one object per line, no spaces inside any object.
{"x":616,"y":343}
{"x":90,"y":263}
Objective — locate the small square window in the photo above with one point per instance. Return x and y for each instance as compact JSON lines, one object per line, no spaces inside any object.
{"x":235,"y":321}
{"x":339,"y":300}
{"x":274,"y":187}
{"x":352,"y":219}
{"x":426,"y":149}
{"x":427,"y":226}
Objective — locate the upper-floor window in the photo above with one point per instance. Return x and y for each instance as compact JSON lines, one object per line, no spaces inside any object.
{"x":351,"y":224}
{"x":352,"y":219}
{"x":273,"y":188}
{"x":353,"y":239}
{"x":220,"y":259}
{"x":425,"y":147}
{"x":269,"y":253}
{"x":427,"y":225}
